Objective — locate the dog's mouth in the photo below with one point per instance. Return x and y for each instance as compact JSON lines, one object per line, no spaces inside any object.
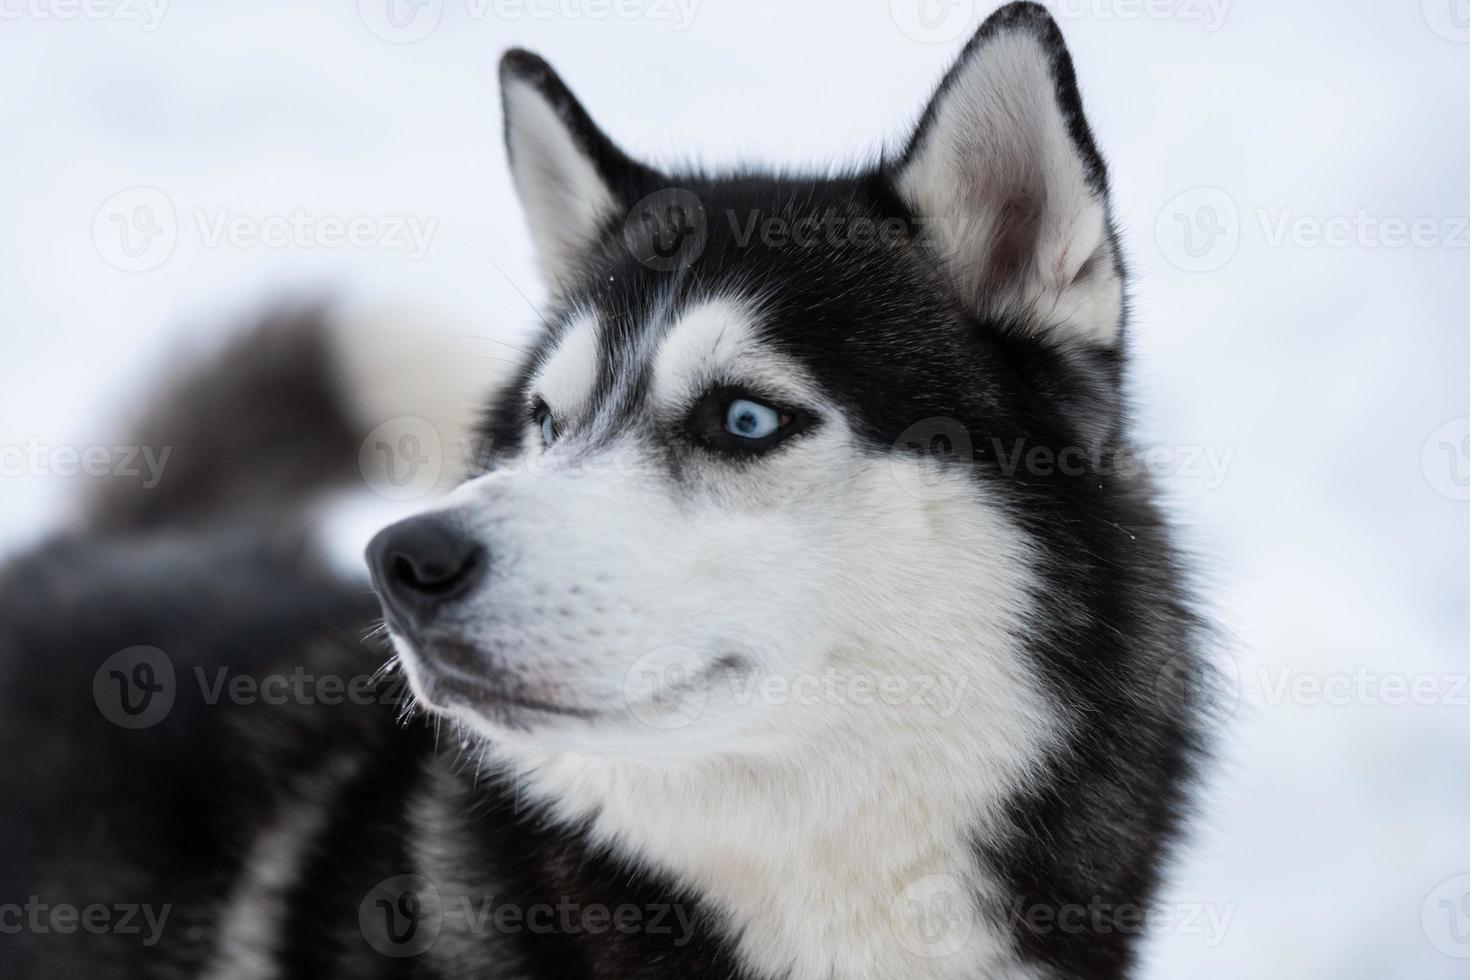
{"x":452,"y":677}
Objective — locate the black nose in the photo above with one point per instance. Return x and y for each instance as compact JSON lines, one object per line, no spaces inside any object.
{"x":422,"y":563}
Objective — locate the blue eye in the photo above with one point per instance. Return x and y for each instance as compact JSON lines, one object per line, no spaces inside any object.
{"x":751,"y":420}
{"x":543,"y":420}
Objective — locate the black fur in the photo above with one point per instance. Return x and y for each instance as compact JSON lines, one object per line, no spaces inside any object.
{"x":259,"y":428}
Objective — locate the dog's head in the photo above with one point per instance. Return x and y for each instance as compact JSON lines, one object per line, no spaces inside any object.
{"x":751,"y":482}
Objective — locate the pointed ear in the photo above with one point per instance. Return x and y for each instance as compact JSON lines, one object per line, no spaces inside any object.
{"x":570,"y":177}
{"x":1009,"y":188}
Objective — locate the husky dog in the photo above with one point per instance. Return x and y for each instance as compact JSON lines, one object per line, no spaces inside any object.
{"x":800,"y":617}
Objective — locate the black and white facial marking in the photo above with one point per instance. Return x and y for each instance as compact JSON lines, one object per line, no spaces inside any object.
{"x":713,"y":487}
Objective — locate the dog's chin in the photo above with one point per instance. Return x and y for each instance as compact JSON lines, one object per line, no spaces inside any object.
{"x":511,"y":713}
{"x":494,"y":704}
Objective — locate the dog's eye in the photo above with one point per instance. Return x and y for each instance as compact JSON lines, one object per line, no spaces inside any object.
{"x":752,"y":420}
{"x":541,"y":415}
{"x":734,"y":422}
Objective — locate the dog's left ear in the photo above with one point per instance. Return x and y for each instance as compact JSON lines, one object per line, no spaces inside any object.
{"x":572,"y":179}
{"x":1009,"y":188}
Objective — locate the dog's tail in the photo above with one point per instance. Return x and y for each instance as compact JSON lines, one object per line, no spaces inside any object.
{"x":306,"y":401}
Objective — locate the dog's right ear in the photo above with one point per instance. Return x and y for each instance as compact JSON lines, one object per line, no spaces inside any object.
{"x":571,"y":178}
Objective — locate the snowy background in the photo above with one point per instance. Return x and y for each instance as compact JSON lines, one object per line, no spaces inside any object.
{"x":1293,"y":180}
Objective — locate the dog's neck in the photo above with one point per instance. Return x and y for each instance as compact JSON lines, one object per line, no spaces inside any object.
{"x":854,"y":859}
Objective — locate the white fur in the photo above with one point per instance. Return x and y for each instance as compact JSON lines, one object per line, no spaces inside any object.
{"x":998,"y":140}
{"x":712,"y":336}
{"x":441,"y":837}
{"x":809,"y":819}
{"x":251,"y":925}
{"x":807,"y":826}
{"x":565,"y":379}
{"x":564,"y":196}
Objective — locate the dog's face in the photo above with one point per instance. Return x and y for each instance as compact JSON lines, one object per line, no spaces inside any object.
{"x":747,"y":490}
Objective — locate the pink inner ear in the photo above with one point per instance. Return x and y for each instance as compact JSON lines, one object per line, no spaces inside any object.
{"x":1012,"y":248}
